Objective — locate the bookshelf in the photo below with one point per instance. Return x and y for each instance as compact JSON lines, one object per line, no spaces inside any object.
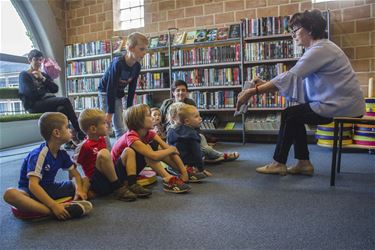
{"x":215,"y":70}
{"x":85,"y":65}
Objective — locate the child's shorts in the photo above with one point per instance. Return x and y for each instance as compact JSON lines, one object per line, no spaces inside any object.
{"x":101,"y":185}
{"x":55,"y":190}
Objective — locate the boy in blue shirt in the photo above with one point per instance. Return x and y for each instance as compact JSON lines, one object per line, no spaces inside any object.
{"x":122,"y":72}
{"x":37,"y":188}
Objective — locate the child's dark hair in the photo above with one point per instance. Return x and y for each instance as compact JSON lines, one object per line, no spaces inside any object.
{"x":50,"y":121}
{"x":179,"y":83}
{"x":312,"y":21}
{"x":135,"y":116}
{"x":34,"y":53}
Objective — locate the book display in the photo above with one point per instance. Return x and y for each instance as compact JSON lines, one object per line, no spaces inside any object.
{"x":211,"y":68}
{"x":216,"y":64}
{"x":85,"y":65}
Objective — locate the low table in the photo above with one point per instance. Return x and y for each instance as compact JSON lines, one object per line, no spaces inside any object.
{"x":337,"y":136}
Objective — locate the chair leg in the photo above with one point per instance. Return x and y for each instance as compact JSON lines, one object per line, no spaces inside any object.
{"x":341,"y":128}
{"x":334,"y":153}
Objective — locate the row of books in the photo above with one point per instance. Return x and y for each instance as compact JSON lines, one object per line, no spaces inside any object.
{"x":143,"y":98}
{"x":268,"y":100}
{"x":155,"y":60}
{"x":153,"y":81}
{"x":84,"y":102}
{"x":265,"y":72}
{"x":263,"y":121}
{"x":228,"y":53}
{"x":214,"y":100}
{"x":265,"y":26}
{"x":87,"y":67}
{"x":87,"y":49}
{"x":209,"y":122}
{"x":83,"y":85}
{"x":197,"y":36}
{"x":272,"y":50}
{"x":209,"y":77}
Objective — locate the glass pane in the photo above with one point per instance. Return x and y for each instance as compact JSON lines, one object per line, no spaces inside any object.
{"x":125,"y":15}
{"x":124,"y":4}
{"x":125,"y":25}
{"x":134,"y":3}
{"x":135,"y":13}
{"x":135,"y":24}
{"x":14,"y":37}
{"x":9,"y":72}
{"x":142,"y":12}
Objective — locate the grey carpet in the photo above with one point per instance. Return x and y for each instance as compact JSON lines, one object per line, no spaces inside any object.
{"x":235,"y":209}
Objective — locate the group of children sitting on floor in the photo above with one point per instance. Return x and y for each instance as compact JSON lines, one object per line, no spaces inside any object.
{"x":146,"y":143}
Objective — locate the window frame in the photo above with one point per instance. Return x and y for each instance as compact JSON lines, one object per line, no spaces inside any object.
{"x":118,"y":23}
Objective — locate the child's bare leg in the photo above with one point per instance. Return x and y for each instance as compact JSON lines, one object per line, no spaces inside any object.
{"x":175,"y":162}
{"x":128,"y":158}
{"x":105,"y":165}
{"x":129,"y":161}
{"x":159,"y":169}
{"x":86,"y":188}
{"x":24,"y":202}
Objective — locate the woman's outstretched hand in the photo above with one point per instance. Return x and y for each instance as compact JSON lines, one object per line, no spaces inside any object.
{"x":258,"y":81}
{"x":243,"y":98}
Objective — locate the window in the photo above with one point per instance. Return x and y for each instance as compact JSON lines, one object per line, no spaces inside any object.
{"x":321,"y":1}
{"x":128,"y":14}
{"x":15,"y":45}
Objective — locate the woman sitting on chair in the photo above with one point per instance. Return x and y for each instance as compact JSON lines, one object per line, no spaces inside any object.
{"x":323,"y":83}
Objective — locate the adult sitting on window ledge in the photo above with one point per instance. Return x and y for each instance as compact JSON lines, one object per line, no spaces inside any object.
{"x":37,"y":89}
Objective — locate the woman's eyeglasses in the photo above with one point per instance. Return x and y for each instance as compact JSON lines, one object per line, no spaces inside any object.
{"x":294,"y":31}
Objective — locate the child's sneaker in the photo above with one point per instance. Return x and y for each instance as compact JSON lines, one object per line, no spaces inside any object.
{"x":70,"y":145}
{"x":172,"y":171}
{"x":175,"y":185}
{"x":140,"y":191}
{"x":77,"y":209}
{"x":123,"y":193}
{"x":194,"y":176}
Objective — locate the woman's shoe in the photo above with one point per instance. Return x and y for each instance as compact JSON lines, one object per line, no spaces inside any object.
{"x":273,"y":168}
{"x":303,"y":170}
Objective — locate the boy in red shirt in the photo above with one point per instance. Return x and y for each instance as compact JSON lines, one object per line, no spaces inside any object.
{"x":97,"y":164}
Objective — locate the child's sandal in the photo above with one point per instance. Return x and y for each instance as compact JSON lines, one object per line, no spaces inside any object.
{"x":216,"y":160}
{"x":207,"y":173}
{"x":231,"y":156}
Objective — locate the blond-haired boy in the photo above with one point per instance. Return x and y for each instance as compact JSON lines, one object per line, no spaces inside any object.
{"x":184,"y":135}
{"x":95,"y":159}
{"x":37,"y":188}
{"x":123,"y":71}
